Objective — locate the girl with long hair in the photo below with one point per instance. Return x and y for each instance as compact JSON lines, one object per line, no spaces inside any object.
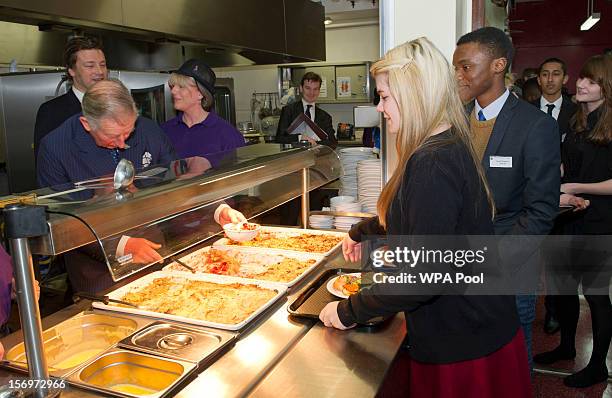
{"x":587,"y":164}
{"x":459,"y":346}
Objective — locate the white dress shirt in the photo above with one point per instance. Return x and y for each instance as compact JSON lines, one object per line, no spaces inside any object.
{"x":79,"y":94}
{"x":493,"y":109}
{"x":556,"y":109}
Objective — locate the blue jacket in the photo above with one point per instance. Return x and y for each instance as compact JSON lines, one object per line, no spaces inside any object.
{"x":70,"y":154}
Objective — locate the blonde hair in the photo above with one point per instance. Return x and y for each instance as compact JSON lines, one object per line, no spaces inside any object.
{"x":424,"y":87}
{"x":107,"y":99}
{"x":176,"y":79}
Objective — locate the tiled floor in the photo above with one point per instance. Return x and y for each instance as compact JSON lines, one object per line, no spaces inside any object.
{"x":551,"y":386}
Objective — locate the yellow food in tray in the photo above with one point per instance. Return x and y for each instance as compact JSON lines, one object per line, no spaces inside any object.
{"x":312,"y":243}
{"x":262,"y":266}
{"x":208,"y":301}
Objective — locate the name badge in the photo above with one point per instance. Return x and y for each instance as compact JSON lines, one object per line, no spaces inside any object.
{"x":500,"y":161}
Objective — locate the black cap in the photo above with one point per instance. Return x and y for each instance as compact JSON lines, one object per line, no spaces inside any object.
{"x":200,"y":72}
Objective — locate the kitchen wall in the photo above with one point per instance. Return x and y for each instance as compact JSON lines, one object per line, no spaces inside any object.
{"x":358,"y":43}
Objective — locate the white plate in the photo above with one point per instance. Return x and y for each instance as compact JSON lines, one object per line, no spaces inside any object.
{"x":330,"y":285}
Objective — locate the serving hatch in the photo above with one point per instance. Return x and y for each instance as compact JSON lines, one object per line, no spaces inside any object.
{"x":292,"y":239}
{"x":271,"y":265}
{"x":200,"y":299}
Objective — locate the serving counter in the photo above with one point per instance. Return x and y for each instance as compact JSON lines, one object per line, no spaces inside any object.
{"x":274,"y":352}
{"x":297,"y":356}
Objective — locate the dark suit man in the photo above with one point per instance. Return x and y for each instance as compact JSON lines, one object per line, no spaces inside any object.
{"x":518,"y":145}
{"x":310,"y":88}
{"x":551,"y":78}
{"x":90,"y":145}
{"x":86,"y":65}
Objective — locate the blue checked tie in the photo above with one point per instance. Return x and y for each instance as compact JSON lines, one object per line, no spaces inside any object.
{"x":115,"y":155}
{"x":481,"y":117}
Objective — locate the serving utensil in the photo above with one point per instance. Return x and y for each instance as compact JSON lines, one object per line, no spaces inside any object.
{"x":182,"y":264}
{"x":103,"y":299}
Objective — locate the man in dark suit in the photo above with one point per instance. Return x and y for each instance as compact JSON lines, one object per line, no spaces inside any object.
{"x":91,"y":144}
{"x":518,"y":146}
{"x":552,"y":77}
{"x":86,"y":65}
{"x":310,"y":87}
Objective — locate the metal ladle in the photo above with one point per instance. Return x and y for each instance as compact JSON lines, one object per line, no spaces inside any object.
{"x":124,"y":174}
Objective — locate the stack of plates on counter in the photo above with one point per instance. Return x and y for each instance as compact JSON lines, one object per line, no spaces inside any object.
{"x":345,"y":223}
{"x":349,"y":158}
{"x":369,"y":178}
{"x":345,"y":204}
{"x":321,"y":221}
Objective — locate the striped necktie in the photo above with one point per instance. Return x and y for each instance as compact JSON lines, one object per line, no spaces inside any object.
{"x":481,"y":116}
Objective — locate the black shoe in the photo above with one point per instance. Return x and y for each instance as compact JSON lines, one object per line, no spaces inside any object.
{"x":551,"y":324}
{"x":558,"y":354}
{"x":587,"y":377}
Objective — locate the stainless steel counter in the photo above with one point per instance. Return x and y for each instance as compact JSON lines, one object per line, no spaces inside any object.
{"x":293,"y":356}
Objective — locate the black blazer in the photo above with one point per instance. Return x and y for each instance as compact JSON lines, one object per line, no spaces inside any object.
{"x":52,"y":114}
{"x":291,"y":111}
{"x":526,"y":193}
{"x":587,"y":162}
{"x":568,"y":108}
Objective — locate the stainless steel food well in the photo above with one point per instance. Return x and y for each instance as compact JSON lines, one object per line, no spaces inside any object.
{"x":176,"y":341}
{"x":131,"y":374}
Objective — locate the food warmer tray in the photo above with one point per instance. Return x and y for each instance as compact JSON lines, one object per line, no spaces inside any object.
{"x":302,"y":256}
{"x":295,"y":232}
{"x":145,"y":280}
{"x":181,"y":342}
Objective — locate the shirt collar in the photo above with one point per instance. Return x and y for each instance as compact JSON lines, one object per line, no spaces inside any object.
{"x":493,"y":109}
{"x":79,"y":94}
{"x":304,"y":103}
{"x":557,"y":103}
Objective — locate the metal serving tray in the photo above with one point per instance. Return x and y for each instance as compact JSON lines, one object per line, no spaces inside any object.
{"x":76,"y":341}
{"x":294,"y":232}
{"x":180,"y":342}
{"x":145,"y":280}
{"x":302,"y":256}
{"x":131,"y":374}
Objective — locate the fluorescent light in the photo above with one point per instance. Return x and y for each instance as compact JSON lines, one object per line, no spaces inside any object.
{"x":328,"y":21}
{"x":590,"y":21}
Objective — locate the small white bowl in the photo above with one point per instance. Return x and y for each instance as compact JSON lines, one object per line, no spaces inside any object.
{"x":234,"y":232}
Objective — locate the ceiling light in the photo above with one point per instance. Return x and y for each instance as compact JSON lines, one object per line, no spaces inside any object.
{"x":590,"y":21}
{"x":592,"y":17}
{"x":327,"y":21}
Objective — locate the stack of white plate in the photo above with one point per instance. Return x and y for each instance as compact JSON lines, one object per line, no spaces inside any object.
{"x":349,"y":158}
{"x":369,"y":179}
{"x":321,"y":221}
{"x":345,"y":223}
{"x":339,"y":200}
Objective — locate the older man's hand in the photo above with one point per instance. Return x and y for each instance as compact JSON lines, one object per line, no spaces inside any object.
{"x":143,"y":251}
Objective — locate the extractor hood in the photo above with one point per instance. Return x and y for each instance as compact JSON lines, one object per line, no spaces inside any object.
{"x":230,"y":32}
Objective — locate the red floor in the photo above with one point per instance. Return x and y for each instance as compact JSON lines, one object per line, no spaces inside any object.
{"x":551,"y":386}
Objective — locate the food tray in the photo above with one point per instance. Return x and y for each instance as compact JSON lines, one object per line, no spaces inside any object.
{"x":293,"y":232}
{"x":145,"y":280}
{"x":311,"y":301}
{"x":302,"y":256}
